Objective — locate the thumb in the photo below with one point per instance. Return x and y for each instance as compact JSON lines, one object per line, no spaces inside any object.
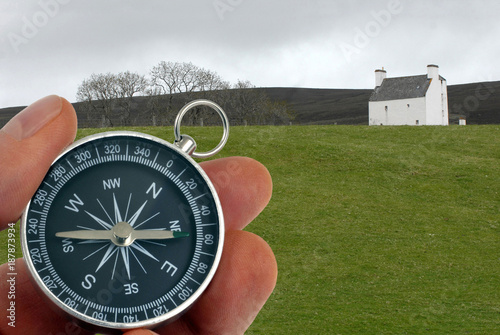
{"x":29,"y":143}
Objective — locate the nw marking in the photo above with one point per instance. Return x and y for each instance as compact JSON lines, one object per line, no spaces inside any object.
{"x":111,"y":183}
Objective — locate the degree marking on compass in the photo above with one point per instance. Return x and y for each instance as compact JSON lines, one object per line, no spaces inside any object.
{"x":61,"y":292}
{"x":206,"y":254}
{"x":156,"y":157}
{"x":69,"y":163}
{"x":180,"y":174}
{"x":97,"y":151}
{"x":45,"y":268}
{"x":52,"y":187}
{"x":207,"y":225}
{"x":189,"y":277}
{"x":198,"y":197}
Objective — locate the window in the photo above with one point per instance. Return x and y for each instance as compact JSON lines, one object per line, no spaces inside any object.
{"x":417,"y":122}
{"x":386,"y":108}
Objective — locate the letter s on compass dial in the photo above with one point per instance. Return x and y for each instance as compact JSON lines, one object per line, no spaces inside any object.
{"x":125,"y":231}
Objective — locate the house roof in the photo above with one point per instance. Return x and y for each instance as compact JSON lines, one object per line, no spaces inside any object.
{"x":401,"y":88}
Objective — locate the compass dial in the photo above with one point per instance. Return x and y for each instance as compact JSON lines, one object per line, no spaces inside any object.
{"x":125,"y":231}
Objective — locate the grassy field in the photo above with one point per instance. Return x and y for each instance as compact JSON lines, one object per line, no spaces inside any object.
{"x":377,"y":230}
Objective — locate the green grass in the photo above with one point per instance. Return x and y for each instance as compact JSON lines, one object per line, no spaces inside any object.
{"x":377,"y":230}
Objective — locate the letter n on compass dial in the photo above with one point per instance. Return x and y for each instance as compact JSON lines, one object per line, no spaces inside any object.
{"x":123,"y":229}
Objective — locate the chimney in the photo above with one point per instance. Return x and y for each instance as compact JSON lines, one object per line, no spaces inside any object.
{"x":380,"y":75}
{"x":433,"y":72}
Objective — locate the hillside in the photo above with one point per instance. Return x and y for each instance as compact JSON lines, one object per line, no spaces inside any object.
{"x":479,"y":103}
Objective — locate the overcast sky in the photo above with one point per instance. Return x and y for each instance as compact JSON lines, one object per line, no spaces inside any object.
{"x":50,"y":46}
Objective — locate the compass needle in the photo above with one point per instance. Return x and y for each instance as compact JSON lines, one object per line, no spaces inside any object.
{"x":86,"y":234}
{"x":157,"y":234}
{"x":118,"y":213}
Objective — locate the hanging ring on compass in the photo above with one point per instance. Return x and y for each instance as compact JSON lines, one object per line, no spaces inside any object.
{"x":186,"y":143}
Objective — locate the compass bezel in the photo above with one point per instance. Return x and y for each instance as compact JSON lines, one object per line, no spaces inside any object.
{"x":172,"y":315}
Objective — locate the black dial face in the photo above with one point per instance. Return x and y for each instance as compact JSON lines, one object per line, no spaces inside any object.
{"x":124,"y":231}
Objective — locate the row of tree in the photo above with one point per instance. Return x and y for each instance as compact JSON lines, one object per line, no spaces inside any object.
{"x":129,"y":98}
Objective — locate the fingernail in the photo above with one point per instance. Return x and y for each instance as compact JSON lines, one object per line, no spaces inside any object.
{"x":33,"y":118}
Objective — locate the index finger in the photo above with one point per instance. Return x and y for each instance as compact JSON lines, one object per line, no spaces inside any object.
{"x":244,"y":187}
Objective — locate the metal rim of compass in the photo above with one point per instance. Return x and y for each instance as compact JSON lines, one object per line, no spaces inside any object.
{"x":168,"y":317}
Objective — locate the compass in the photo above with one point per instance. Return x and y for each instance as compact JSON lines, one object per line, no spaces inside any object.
{"x":126,"y":230}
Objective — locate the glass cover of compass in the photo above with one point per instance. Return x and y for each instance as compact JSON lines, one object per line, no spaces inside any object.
{"x":125,"y":231}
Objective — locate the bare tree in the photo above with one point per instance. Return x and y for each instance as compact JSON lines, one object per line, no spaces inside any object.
{"x":99,"y":91}
{"x":127,"y":84}
{"x":171,"y":85}
{"x":249,"y":105}
{"x":165,"y":79}
{"x":172,"y":77}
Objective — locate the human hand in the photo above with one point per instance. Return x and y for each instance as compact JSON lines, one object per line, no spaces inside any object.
{"x":246,"y":276}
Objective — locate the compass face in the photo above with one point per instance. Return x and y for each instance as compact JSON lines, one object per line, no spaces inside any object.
{"x":125,"y":231}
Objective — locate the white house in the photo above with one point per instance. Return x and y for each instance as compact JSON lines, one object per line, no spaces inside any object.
{"x":415,"y":100}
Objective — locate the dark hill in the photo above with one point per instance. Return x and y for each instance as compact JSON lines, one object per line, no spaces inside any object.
{"x":479,"y":103}
{"x":324,"y":106}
